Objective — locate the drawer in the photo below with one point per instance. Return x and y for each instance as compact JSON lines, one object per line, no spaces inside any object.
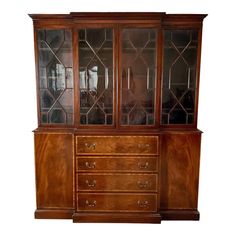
{"x":117,"y":182}
{"x":117,"y":145}
{"x":117,"y":202}
{"x":117,"y":163}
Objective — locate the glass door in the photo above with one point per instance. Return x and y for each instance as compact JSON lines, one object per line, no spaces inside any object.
{"x":96,"y":76}
{"x":179,"y":77}
{"x":138,"y":72}
{"x":55,"y":76}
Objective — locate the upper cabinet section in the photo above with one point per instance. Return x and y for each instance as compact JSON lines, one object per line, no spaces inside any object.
{"x":118,"y":70}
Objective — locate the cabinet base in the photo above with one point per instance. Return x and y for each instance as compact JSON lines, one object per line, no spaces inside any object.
{"x":53,"y":213}
{"x":116,"y":218}
{"x":180,"y":214}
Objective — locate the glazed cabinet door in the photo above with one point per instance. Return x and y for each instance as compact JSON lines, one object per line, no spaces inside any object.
{"x":180,"y":71}
{"x":138,"y":76}
{"x":96,"y":76}
{"x":55,"y":76}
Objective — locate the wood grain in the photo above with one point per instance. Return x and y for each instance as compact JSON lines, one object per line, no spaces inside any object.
{"x":107,"y":217}
{"x":54,"y":170}
{"x":117,"y":145}
{"x":117,"y":182}
{"x":116,"y":164}
{"x":180,"y":214}
{"x":117,"y":202}
{"x":180,"y":157}
{"x":54,"y":213}
{"x":142,"y":173}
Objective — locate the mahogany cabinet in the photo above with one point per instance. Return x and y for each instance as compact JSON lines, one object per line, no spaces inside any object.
{"x":117,"y":98}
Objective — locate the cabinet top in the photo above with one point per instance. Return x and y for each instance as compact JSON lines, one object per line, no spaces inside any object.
{"x":120,"y":16}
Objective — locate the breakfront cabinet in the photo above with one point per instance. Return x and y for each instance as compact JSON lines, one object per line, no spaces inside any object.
{"x":117,"y":98}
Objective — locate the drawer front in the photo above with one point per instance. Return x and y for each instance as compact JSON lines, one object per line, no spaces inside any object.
{"x":117,"y":202}
{"x":117,"y":182}
{"x":117,"y":145}
{"x":114,"y":163}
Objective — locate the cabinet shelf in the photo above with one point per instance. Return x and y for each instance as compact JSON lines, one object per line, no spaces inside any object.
{"x":95,"y":49}
{"x":180,"y":47}
{"x":63,"y":50}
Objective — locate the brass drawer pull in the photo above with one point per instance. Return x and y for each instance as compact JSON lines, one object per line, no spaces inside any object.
{"x":143,"y":145}
{"x":90,"y":204}
{"x":143,"y":166}
{"x":90,"y":165}
{"x":91,"y":183}
{"x":143,"y":184}
{"x":143,"y":204}
{"x":90,"y":145}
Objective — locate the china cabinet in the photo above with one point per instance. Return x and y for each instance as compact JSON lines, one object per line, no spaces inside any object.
{"x":117,"y":98}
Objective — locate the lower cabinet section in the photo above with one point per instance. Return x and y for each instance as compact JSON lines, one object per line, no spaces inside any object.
{"x":117,"y":179}
{"x":117,"y":202}
{"x":137,"y":179}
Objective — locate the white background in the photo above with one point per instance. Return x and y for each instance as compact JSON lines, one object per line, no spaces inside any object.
{"x":217,"y":118}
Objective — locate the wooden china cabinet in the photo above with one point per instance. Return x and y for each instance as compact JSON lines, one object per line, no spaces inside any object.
{"x":117,"y":97}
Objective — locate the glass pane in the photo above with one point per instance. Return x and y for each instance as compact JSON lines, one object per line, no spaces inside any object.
{"x":179,"y":76}
{"x":55,"y":76}
{"x":138,"y":60}
{"x":96,"y":76}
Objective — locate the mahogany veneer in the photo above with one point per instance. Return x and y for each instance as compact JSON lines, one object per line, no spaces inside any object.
{"x":117,"y":97}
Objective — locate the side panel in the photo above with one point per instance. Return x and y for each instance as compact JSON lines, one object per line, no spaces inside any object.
{"x":180,"y":156}
{"x":54,"y":170}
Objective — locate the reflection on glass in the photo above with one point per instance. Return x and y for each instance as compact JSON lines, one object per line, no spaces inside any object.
{"x":93,"y":78}
{"x":96,"y":76}
{"x":138,"y":60}
{"x":179,"y":76}
{"x":55,"y":76}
